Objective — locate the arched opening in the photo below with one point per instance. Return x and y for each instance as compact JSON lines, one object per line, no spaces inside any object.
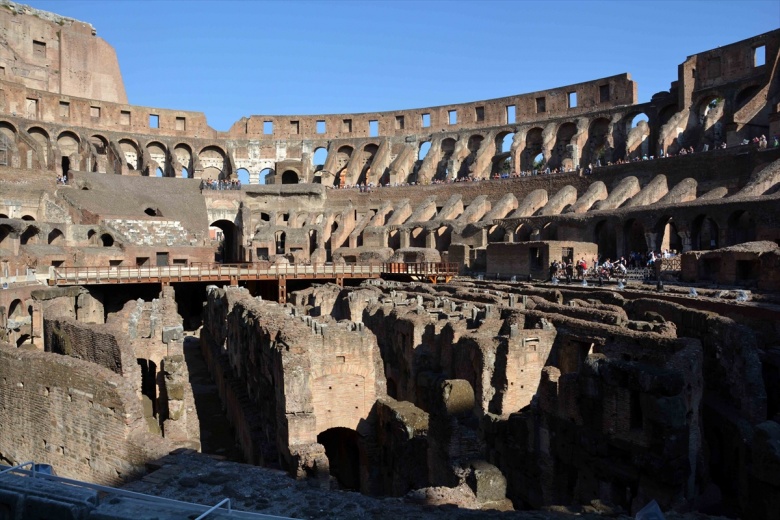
{"x":16,"y":310}
{"x":506,"y":142}
{"x":417,"y":237}
{"x":538,"y":162}
{"x":394,"y":239}
{"x":563,"y":154}
{"x":341,"y":448}
{"x":153,"y":212}
{"x":281,"y":237}
{"x":343,"y":155}
{"x":212,"y":158}
{"x":158,"y":158}
{"x":224,"y":236}
{"x":495,"y":234}
{"x":670,"y":237}
{"x":534,"y":143}
{"x":523,"y":233}
{"x":367,"y":158}
{"x":741,"y":228}
{"x":65,"y":165}
{"x":605,"y":239}
{"x":313,"y":241}
{"x":243,"y":176}
{"x":3,"y":215}
{"x":474,"y":144}
{"x":704,"y":234}
{"x":131,"y":152}
{"x":637,"y":119}
{"x":502,"y":160}
{"x":56,"y":237}
{"x":41,"y":138}
{"x":443,"y":168}
{"x":595,"y":152}
{"x":289,"y":177}
{"x":30,"y":236}
{"x":443,"y":237}
{"x":637,"y":134}
{"x":264,"y":174}
{"x":635,"y":240}
{"x":107,"y":240}
{"x":28,"y":218}
{"x":425,"y":147}
{"x":550,"y":231}
{"x":183,"y":154}
{"x":318,"y":158}
{"x":5,"y":232}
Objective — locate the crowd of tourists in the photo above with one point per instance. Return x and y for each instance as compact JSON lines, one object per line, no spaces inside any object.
{"x":221,"y":184}
{"x":606,"y":269}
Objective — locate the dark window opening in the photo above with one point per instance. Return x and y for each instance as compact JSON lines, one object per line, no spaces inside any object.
{"x":346,"y":126}
{"x":535,"y":254}
{"x":399,"y":122}
{"x":39,"y":49}
{"x":604,"y":93}
{"x":294,"y":127}
{"x":65,"y":165}
{"x":479,"y":112}
{"x":541,"y":105}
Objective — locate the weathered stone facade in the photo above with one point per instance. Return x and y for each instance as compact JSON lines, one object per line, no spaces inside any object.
{"x":482,"y":394}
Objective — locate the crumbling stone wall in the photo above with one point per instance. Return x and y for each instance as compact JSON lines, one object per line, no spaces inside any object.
{"x":83,"y":419}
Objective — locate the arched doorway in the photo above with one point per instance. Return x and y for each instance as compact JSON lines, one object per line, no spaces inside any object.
{"x":669,"y":235}
{"x":704,"y":235}
{"x":741,"y":228}
{"x":634,"y":237}
{"x":289,"y":177}
{"x":341,"y":448}
{"x":604,"y":236}
{"x":281,"y":238}
{"x":224,"y":235}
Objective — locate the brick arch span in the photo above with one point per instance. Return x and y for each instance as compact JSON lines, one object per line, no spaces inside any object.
{"x":156,"y":156}
{"x":212,"y":162}
{"x":343,"y":393}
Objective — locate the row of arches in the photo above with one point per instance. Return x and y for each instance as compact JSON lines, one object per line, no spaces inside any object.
{"x":33,"y":235}
{"x":96,"y":154}
{"x":619,"y":135}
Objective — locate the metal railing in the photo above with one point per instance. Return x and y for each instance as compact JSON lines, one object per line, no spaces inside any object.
{"x":151,"y":499}
{"x":246,"y":271}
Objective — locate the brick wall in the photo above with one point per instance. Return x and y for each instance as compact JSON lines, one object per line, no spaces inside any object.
{"x":81,"y":418}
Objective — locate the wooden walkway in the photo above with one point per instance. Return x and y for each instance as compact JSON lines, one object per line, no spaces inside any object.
{"x":234,"y":273}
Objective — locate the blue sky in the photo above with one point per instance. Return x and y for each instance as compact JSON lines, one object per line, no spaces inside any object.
{"x":231,"y":59}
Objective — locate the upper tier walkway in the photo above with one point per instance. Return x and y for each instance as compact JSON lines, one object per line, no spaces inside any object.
{"x":248,"y":272}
